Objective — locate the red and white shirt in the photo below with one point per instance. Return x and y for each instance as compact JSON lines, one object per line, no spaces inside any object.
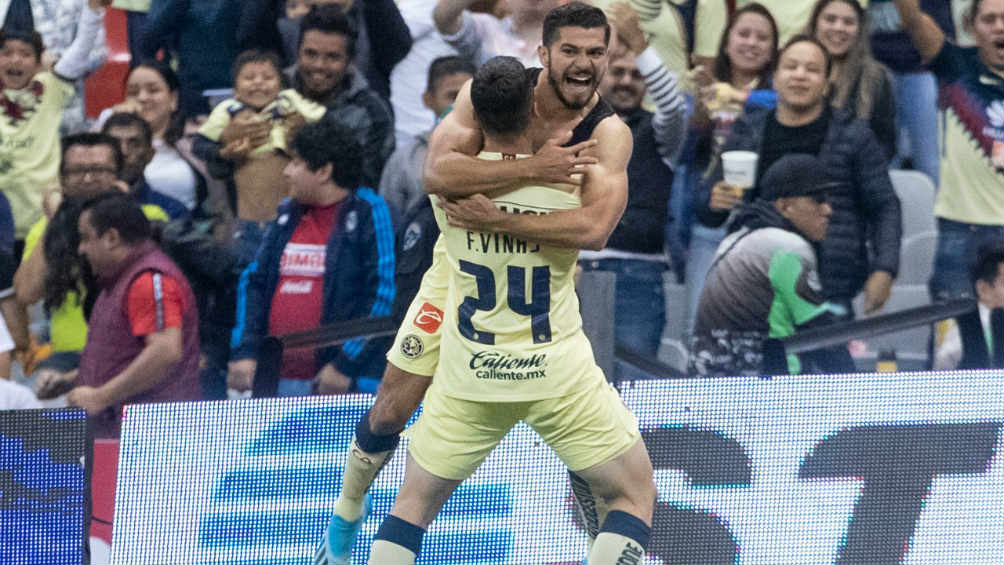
{"x":155,"y":303}
{"x":299,"y":295}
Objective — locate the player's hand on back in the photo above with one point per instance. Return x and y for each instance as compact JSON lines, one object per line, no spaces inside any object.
{"x":477,"y":213}
{"x":555,"y":164}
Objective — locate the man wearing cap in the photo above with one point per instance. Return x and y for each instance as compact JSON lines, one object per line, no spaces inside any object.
{"x":764,"y":282}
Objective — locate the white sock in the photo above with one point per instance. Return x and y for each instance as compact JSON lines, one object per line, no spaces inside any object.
{"x":361,"y":469}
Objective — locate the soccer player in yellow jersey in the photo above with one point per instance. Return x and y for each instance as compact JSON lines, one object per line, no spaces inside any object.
{"x":568,"y":120}
{"x":517,"y":351}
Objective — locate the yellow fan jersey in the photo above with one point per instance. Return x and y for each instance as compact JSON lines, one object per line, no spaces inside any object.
{"x":512,"y":329}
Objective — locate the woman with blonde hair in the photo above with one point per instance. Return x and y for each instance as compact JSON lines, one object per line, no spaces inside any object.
{"x":858,"y":83}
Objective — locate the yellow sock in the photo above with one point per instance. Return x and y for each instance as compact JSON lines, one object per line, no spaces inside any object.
{"x":361,"y":469}
{"x":384,"y":552}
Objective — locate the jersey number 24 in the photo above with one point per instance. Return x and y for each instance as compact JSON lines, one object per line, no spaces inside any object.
{"x":538,"y":308}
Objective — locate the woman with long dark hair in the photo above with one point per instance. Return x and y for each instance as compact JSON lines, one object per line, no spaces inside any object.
{"x":152,"y":91}
{"x":68,"y":276}
{"x":744,"y":65}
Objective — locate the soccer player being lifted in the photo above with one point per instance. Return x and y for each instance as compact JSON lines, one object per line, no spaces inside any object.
{"x":573,"y":132}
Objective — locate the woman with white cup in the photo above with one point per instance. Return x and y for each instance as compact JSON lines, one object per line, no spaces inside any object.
{"x":741,"y":74}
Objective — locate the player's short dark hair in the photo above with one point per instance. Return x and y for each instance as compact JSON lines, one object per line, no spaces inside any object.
{"x":91,"y":139}
{"x":987,"y":264}
{"x":129,"y":120}
{"x":31,"y":37}
{"x":330,"y":141}
{"x":806,"y":38}
{"x":330,"y":18}
{"x":443,"y":67}
{"x":118,"y":210}
{"x":574,"y":14}
{"x":501,"y":93}
{"x":255,"y":56}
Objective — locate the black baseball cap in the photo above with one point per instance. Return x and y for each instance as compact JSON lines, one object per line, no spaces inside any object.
{"x":795,"y":174}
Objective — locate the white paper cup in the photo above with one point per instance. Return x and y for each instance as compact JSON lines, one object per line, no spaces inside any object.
{"x":739,"y":168}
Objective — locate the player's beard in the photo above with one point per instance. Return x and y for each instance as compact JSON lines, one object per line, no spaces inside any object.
{"x":572,"y":104}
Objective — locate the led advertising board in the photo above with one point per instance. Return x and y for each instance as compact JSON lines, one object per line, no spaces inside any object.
{"x":42,"y":486}
{"x":848,"y":469}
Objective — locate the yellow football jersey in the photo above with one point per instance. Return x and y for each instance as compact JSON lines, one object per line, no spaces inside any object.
{"x":29,"y":145}
{"x":512,"y":329}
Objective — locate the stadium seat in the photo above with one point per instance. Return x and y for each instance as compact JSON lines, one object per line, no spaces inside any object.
{"x":674,"y":353}
{"x":916,"y":196}
{"x":910,"y":345}
{"x":917,"y":258}
{"x":104,"y":88}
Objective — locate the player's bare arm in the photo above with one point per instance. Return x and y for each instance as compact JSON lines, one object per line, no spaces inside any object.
{"x":604,"y":196}
{"x":453,"y":170}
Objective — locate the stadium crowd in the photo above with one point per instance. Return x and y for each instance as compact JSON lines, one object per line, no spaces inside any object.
{"x":262,"y":172}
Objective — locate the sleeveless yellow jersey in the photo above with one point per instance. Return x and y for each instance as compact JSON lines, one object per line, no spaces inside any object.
{"x":512,"y":328}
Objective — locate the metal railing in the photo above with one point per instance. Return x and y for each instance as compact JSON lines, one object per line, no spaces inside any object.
{"x":266,"y":380}
{"x":776,"y":350}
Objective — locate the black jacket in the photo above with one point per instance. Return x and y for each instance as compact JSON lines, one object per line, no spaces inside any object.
{"x":642,"y":227}
{"x":975,"y":353}
{"x":414,"y":245}
{"x":883,"y":117}
{"x":866,"y":226}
